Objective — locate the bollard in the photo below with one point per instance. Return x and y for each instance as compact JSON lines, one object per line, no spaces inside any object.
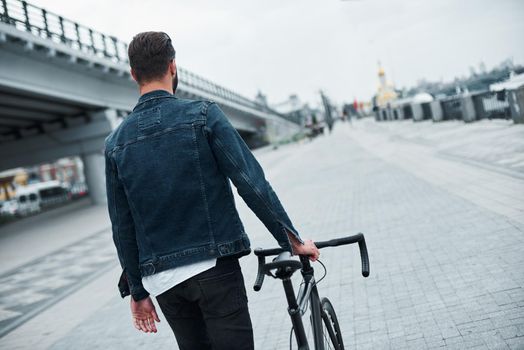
{"x":468,"y":109}
{"x":436,"y":111}
{"x":516,"y":102}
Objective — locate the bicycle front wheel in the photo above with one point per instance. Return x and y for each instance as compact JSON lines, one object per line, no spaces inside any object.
{"x":331,"y":328}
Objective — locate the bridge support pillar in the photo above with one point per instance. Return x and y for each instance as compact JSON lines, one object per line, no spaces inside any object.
{"x":112,"y":117}
{"x":94,"y":170}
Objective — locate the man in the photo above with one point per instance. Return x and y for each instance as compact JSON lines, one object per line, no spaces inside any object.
{"x":175,"y":225}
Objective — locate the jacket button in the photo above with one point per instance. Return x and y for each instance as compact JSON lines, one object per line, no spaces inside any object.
{"x":149,"y":269}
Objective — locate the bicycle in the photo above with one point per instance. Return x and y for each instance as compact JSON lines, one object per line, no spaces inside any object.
{"x":323,"y":318}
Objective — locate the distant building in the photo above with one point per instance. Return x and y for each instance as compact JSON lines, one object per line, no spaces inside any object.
{"x":478,"y":82}
{"x":514,"y":82}
{"x":386,"y":91}
{"x":10,"y":180}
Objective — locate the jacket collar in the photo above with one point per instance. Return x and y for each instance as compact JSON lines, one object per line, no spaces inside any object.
{"x":151,"y":95}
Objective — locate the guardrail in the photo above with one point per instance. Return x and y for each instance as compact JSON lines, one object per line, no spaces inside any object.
{"x":48,"y":25}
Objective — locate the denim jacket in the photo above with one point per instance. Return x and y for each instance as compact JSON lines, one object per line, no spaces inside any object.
{"x":168,"y":166}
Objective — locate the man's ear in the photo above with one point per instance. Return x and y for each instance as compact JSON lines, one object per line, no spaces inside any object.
{"x":172,"y":67}
{"x":133,"y":75}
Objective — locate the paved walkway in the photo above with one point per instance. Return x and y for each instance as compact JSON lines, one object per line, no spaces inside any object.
{"x":445,"y":236}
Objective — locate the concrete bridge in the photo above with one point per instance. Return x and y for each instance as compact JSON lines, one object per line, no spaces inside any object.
{"x":64,"y":87}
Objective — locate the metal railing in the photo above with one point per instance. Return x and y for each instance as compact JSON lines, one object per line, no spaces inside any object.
{"x":196,"y":81}
{"x":491,"y":104}
{"x":48,"y":25}
{"x":452,"y":108}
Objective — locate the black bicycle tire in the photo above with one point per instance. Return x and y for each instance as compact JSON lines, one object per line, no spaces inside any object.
{"x":330,"y":319}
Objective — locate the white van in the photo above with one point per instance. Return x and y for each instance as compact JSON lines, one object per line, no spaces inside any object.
{"x":35,"y":197}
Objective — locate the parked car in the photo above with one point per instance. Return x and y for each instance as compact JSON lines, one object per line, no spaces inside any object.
{"x":78,"y":190}
{"x":9,"y":208}
{"x":35,"y":197}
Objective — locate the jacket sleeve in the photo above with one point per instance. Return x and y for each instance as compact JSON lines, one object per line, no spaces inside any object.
{"x":124,"y":235}
{"x":237,"y":162}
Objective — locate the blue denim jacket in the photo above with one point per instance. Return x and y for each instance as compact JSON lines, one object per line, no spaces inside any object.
{"x":169,"y":197}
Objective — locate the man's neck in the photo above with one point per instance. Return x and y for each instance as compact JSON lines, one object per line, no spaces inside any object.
{"x":156,"y":85}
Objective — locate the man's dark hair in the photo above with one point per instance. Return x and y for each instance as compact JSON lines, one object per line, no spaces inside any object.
{"x":149,"y":55}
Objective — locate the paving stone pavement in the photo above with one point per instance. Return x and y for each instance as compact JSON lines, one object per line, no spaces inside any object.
{"x":32,"y":287}
{"x":467,"y":142}
{"x":446,"y":272}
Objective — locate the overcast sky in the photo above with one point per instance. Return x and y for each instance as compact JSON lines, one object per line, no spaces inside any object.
{"x":301,"y":46}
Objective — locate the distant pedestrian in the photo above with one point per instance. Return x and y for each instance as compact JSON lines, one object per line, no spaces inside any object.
{"x":175,"y":226}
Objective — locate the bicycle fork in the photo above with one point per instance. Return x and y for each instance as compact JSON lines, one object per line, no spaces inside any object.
{"x":316,"y":316}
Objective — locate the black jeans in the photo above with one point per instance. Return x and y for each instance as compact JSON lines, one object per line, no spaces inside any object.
{"x":209,"y":310}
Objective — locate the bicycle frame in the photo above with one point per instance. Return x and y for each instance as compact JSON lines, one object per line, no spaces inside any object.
{"x":308,"y":293}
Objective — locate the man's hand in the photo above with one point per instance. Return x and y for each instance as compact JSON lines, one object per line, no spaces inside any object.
{"x":144,"y":315}
{"x":308,"y":248}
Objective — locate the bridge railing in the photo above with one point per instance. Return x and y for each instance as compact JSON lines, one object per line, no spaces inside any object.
{"x":48,"y":25}
{"x":201,"y":83}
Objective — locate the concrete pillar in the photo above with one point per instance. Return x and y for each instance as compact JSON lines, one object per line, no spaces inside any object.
{"x":94,"y":161}
{"x":398,"y":113}
{"x":383,"y":114}
{"x":436,"y":111}
{"x":516,"y":103}
{"x":94,"y":171}
{"x":113,"y":118}
{"x":468,"y":109}
{"x":391,"y":113}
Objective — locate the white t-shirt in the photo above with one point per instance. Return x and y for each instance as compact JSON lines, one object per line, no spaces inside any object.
{"x":161,"y":281}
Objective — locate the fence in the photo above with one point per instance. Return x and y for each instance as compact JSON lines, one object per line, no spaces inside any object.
{"x":45,"y":24}
{"x":492,"y":105}
{"x":505,"y":104}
